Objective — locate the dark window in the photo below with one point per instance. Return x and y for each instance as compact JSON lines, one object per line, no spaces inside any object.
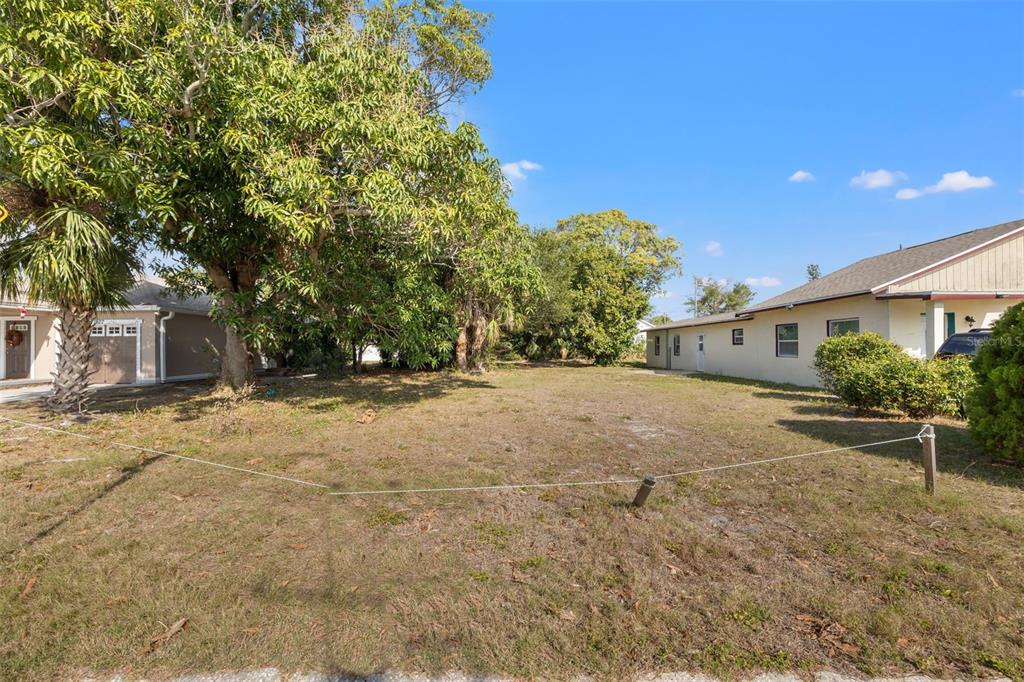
{"x":675,"y":345}
{"x":787,"y":341}
{"x":737,"y":337}
{"x":657,"y":345}
{"x":849,"y":325}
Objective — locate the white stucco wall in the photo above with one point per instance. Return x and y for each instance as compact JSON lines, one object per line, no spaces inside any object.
{"x":899,"y":320}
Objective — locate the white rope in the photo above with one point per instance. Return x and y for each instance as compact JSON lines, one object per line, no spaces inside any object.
{"x":169,"y":454}
{"x":479,"y":488}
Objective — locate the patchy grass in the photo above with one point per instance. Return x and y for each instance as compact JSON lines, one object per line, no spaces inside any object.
{"x":839,"y":561}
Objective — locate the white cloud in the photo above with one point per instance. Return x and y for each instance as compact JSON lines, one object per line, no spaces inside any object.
{"x":714,"y":248}
{"x":801,"y":176}
{"x":877,"y":179}
{"x":1019,"y":92}
{"x":516,"y":170}
{"x":765,"y":281}
{"x":957,"y":181}
{"x":664,"y":294}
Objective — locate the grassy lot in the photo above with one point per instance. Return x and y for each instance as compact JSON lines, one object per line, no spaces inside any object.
{"x":839,"y":561}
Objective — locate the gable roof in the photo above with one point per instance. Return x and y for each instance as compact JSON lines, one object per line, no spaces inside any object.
{"x":150,"y":292}
{"x":869,"y":274}
{"x":872,"y":274}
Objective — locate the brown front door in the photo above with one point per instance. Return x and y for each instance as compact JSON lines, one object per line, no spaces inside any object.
{"x":17,"y":349}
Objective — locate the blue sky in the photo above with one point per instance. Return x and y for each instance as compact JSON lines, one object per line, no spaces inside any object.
{"x":696,"y":117}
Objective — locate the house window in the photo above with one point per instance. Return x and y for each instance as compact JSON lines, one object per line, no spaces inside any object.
{"x":131,"y":330}
{"x":737,"y":337}
{"x":113,"y":330}
{"x":787,"y":341}
{"x":849,"y":325}
{"x":675,"y":345}
{"x":657,"y":345}
{"x":97,"y":330}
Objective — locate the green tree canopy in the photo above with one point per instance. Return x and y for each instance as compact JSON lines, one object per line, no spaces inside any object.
{"x":715,"y":296}
{"x":599,"y":272}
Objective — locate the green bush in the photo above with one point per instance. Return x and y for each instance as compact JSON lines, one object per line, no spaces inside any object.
{"x":869,"y":372}
{"x":996,"y":407}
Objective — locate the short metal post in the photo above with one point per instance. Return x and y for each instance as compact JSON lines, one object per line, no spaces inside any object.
{"x":928,"y":457}
{"x":645,"y":490}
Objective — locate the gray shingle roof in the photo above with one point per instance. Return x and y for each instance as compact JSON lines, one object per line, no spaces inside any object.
{"x":152,"y":293}
{"x":697,"y":321}
{"x":866,"y":274}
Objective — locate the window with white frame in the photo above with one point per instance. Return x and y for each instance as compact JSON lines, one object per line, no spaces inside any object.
{"x":113,"y":329}
{"x":97,"y":329}
{"x":847,"y":325}
{"x":787,"y":340}
{"x":675,"y":345}
{"x":737,"y":337}
{"x":131,"y":329}
{"x":657,"y":345}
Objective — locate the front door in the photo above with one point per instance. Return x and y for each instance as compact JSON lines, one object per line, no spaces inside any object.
{"x":700,"y":352}
{"x":17,"y":349}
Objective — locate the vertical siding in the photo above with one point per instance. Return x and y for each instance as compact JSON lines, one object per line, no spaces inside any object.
{"x":1000,"y":268}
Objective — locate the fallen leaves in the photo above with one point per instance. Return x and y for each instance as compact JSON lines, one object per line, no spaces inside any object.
{"x":367,"y":417}
{"x":29,"y":585}
{"x":159,"y":640}
{"x":832,"y":635}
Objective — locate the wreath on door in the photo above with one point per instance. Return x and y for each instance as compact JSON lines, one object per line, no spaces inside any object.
{"x":14,"y":338}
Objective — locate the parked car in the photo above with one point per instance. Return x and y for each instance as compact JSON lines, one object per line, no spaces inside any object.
{"x":964,"y":343}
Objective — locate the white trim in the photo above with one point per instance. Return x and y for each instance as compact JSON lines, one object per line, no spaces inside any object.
{"x":940,"y":263}
{"x":31,"y":344}
{"x":163,"y":344}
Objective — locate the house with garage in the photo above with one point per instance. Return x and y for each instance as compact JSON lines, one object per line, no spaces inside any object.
{"x":158,"y":337}
{"x":916,"y":296}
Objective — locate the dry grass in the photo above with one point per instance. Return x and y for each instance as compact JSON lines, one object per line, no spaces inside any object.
{"x":837,"y":562}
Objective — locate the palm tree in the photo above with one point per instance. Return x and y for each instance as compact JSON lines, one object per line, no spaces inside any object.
{"x":72,"y":260}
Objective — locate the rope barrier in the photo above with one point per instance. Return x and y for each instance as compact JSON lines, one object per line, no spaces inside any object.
{"x":921,"y":435}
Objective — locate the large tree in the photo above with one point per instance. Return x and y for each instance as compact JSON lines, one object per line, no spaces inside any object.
{"x":306,"y":138}
{"x":600,"y":271}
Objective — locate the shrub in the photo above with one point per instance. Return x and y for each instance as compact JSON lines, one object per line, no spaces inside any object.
{"x":868,"y":372}
{"x":996,"y":407}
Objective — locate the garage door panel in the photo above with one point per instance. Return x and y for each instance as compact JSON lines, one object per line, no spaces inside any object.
{"x":113,"y":358}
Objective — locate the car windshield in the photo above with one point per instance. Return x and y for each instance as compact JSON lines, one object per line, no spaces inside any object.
{"x":963,"y":344}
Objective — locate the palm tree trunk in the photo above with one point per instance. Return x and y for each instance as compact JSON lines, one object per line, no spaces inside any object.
{"x":71,"y":378}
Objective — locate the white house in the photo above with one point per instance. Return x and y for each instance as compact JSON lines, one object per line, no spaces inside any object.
{"x":915,"y":296}
{"x":641,"y":328}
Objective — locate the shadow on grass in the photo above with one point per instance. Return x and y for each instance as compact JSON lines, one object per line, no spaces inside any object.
{"x":781,"y":389}
{"x":377,"y":388}
{"x":958,"y":454}
{"x":127,"y":474}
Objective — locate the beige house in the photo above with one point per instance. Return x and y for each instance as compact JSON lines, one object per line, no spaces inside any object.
{"x":158,"y":337}
{"x":915,"y":296}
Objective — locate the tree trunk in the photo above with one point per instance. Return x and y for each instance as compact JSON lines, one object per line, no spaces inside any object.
{"x":462,"y":349}
{"x":237,"y":369}
{"x":479,"y":341}
{"x":71,"y":378}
